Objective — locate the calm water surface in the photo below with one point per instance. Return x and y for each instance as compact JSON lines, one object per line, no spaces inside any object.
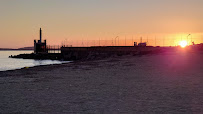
{"x":11,"y":63}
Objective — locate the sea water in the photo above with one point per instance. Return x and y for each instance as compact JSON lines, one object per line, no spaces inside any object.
{"x":7,"y":63}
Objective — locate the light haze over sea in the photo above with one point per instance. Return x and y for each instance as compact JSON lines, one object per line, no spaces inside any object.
{"x":7,"y":63}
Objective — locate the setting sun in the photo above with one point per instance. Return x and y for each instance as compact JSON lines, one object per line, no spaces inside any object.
{"x":183,"y":44}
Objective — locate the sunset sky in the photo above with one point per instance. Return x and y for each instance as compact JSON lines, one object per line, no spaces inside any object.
{"x":98,"y":22}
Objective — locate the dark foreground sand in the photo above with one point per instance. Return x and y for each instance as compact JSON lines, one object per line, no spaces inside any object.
{"x":164,"y":83}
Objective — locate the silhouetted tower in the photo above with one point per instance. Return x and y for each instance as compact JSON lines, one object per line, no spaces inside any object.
{"x":40,"y":47}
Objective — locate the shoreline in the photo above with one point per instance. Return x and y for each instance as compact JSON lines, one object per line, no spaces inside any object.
{"x":26,"y":67}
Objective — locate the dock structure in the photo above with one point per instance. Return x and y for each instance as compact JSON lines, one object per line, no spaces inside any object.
{"x":40,"y":47}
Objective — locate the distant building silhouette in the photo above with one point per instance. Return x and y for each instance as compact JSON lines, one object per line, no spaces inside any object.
{"x":142,"y":44}
{"x":40,"y":47}
{"x":135,"y":43}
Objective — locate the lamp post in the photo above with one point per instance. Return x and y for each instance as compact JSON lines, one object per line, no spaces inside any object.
{"x":187,"y":38}
{"x":117,"y":37}
{"x":115,"y":40}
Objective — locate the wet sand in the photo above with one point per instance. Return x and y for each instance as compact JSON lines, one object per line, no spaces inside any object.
{"x":163,"y":83}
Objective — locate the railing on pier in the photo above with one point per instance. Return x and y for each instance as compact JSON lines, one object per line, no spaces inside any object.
{"x":55,"y":48}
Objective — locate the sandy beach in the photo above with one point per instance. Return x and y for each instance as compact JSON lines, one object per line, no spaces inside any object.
{"x":163,"y":83}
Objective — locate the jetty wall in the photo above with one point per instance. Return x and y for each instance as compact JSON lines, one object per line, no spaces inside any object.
{"x":76,"y":53}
